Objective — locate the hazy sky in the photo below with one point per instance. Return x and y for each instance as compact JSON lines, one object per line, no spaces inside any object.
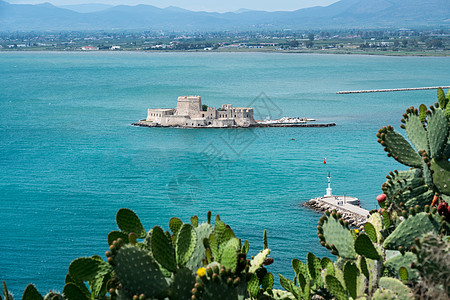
{"x":207,"y":5}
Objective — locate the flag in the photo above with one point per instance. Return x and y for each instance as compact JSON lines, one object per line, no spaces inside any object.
{"x":325,"y":160}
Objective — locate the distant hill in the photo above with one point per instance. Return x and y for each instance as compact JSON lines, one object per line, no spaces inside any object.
{"x":342,"y":14}
{"x":87,"y":8}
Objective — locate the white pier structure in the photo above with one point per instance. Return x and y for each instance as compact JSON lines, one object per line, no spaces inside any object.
{"x":343,"y":204}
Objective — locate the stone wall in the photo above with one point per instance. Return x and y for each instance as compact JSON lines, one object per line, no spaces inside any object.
{"x":189,"y":106}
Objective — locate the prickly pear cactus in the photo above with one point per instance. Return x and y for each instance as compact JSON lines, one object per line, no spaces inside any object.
{"x":428,"y":131}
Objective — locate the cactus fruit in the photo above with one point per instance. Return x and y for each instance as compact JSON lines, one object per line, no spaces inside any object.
{"x":381,"y":199}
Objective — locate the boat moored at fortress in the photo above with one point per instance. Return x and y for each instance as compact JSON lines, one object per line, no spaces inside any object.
{"x":190,"y":113}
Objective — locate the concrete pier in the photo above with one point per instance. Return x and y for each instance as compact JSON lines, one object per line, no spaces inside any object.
{"x":393,"y":90}
{"x":355,"y":215}
{"x":348,"y":207}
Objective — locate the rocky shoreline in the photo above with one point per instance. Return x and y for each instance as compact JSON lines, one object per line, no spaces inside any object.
{"x":144,"y":123}
{"x":354,"y":220}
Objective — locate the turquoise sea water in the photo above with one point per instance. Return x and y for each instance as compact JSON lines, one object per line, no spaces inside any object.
{"x":69,"y":158}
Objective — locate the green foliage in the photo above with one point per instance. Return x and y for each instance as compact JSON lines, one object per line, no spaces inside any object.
{"x":336,"y":236}
{"x":129,"y":222}
{"x":31,"y":293}
{"x":414,"y":226}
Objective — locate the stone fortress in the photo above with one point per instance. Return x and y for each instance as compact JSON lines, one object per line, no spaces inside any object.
{"x":190,"y":113}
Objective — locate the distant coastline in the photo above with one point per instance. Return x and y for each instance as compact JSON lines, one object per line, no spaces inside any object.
{"x":444,"y":53}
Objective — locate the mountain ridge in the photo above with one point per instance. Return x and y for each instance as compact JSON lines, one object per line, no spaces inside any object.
{"x":343,"y":14}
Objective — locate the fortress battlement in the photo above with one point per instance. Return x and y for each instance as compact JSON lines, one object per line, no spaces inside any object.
{"x":189,"y":113}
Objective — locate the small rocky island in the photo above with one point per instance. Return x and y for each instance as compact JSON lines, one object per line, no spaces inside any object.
{"x":190,"y":113}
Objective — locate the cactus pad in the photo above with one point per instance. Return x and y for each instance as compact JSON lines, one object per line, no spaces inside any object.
{"x":253,"y":286}
{"x":396,"y":145}
{"x":396,"y":260}
{"x":410,"y":228}
{"x":258,"y":260}
{"x":203,"y":232}
{"x":416,"y":133}
{"x":364,"y":247}
{"x":31,"y":293}
{"x":395,"y":285}
{"x":229,"y":257}
{"x":338,"y":235}
{"x":129,"y":222}
{"x":72,"y":291}
{"x":437,"y":132}
{"x":114,"y":235}
{"x":139,"y":273}
{"x":186,"y":242}
{"x":351,"y":273}
{"x":267,"y":281}
{"x":377,"y":222}
{"x":175,"y":225}
{"x":441,"y":175}
{"x":289,"y":286}
{"x":371,"y":232}
{"x":88,"y":268}
{"x":336,"y":288}
{"x":182,"y":283}
{"x":162,"y":249}
{"x":300,"y":268}
{"x":314,"y":269}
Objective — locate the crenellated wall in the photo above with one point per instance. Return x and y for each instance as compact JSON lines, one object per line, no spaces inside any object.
{"x":189,"y":113}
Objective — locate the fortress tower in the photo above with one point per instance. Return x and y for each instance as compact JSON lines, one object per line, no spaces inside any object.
{"x":189,"y":106}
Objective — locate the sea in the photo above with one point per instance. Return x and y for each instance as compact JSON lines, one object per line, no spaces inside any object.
{"x":69,"y":157}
